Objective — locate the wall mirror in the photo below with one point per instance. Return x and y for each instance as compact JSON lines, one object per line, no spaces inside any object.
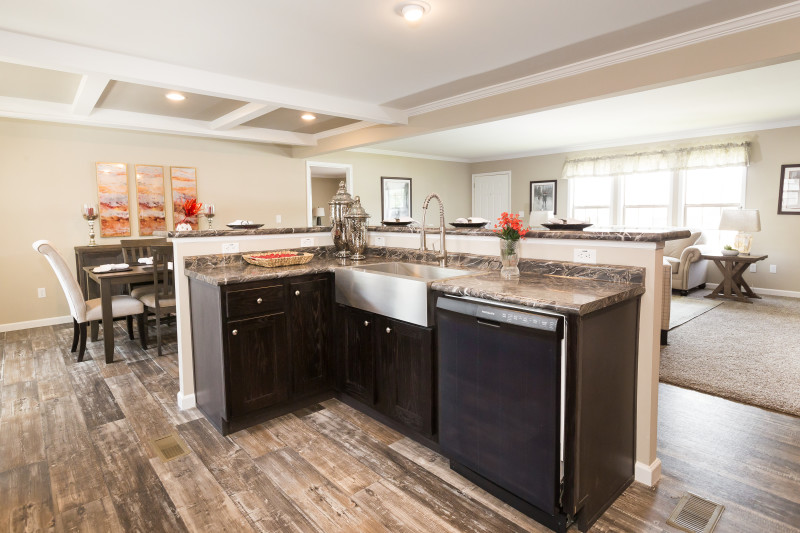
{"x":395,"y":198}
{"x":789,"y":194}
{"x":322,"y":181}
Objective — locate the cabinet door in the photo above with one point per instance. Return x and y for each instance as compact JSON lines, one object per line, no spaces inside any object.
{"x":309,"y":317}
{"x":357,"y":354}
{"x":405,"y":387}
{"x":258,"y":362}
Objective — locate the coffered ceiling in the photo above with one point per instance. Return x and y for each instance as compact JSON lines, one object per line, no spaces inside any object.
{"x":250,"y":69}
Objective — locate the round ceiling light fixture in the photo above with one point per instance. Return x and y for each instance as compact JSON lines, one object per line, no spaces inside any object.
{"x":176,"y":97}
{"x":413,"y":11}
{"x":308,"y":116}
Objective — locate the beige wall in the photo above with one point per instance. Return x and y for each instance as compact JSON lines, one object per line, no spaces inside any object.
{"x":770,"y":149}
{"x":47,"y":173}
{"x":322,"y":190}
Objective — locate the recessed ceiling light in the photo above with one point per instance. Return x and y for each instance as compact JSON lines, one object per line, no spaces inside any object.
{"x":308,"y":116}
{"x":413,"y":11}
{"x":177,"y":97}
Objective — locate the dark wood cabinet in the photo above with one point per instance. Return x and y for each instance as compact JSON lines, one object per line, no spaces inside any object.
{"x":389,"y":365}
{"x":357,"y":353}
{"x":309,"y":327}
{"x":406,"y":375}
{"x":258,"y":359}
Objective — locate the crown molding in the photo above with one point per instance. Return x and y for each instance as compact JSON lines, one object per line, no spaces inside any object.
{"x":410,"y":154}
{"x":714,"y":31}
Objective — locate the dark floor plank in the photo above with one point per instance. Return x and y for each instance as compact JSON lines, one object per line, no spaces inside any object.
{"x":25,"y":502}
{"x":96,"y":516}
{"x":75,"y":475}
{"x":260,"y":501}
{"x":442,"y":498}
{"x":322,"y":501}
{"x":94,"y":397}
{"x":141,"y":502}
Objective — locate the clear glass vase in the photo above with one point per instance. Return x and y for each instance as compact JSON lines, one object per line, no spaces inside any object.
{"x":509,"y":256}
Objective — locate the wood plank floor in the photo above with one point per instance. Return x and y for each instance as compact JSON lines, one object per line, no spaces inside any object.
{"x":75,"y":456}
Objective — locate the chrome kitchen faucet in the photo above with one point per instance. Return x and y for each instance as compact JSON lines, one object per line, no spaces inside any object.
{"x":442,"y":255}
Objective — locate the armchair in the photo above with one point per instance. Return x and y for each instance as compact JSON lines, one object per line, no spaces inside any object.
{"x":688,"y":270}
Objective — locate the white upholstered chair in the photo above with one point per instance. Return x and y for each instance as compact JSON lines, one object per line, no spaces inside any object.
{"x":85,"y":311}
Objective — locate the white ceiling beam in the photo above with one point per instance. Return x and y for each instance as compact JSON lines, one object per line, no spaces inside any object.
{"x":111,"y":118}
{"x":89,"y":92}
{"x":344,"y":129}
{"x":45,"y":53}
{"x":239,"y":116}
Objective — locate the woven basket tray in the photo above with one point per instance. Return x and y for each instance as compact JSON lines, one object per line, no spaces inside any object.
{"x":299,"y":258}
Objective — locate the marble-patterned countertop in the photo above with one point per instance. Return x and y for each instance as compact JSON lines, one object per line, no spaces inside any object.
{"x":541,"y":285}
{"x":596,"y":234}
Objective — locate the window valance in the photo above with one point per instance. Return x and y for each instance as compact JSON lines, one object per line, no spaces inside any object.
{"x":709,"y":156}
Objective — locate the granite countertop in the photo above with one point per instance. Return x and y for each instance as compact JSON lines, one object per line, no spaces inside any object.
{"x":595,"y":234}
{"x":541,"y":285}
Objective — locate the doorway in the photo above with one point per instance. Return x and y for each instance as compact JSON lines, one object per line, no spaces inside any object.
{"x":491,"y":193}
{"x":322,"y":182}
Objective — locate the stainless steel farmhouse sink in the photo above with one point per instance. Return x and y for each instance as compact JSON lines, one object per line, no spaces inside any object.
{"x":397,"y":290}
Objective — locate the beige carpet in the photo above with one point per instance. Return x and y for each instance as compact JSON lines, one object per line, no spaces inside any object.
{"x":749,"y":353}
{"x":685,"y":308}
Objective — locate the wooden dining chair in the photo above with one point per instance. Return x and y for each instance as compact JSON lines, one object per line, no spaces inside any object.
{"x":85,"y":311}
{"x":132,"y":251}
{"x":161,"y":299}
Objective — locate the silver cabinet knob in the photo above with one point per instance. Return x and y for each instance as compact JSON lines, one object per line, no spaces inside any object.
{"x":259,"y":301}
{"x":388,"y":330}
{"x":235,"y":332}
{"x":366,"y":322}
{"x":297,"y":293}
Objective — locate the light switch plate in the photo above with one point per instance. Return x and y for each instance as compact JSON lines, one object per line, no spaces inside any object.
{"x":585,"y":255}
{"x":753,"y":267}
{"x":773,"y":269}
{"x":277,"y":219}
{"x":380,"y":241}
{"x":41,"y":292}
{"x":230,"y":248}
{"x":306,"y":241}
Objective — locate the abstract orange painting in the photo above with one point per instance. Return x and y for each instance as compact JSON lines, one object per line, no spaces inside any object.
{"x":112,"y":195}
{"x":150,"y":197}
{"x":184,"y":186}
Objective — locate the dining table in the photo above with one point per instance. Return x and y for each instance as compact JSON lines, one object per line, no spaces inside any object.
{"x":105,"y":281}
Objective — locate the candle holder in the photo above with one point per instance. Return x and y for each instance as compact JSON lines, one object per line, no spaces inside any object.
{"x":210,"y":212}
{"x":90,"y":213}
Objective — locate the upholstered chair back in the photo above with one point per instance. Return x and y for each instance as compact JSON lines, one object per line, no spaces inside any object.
{"x":77,"y":305}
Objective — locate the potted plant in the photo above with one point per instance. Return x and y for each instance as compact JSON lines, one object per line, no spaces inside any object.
{"x":729,"y":250}
{"x":509,"y":229}
{"x":190,"y":208}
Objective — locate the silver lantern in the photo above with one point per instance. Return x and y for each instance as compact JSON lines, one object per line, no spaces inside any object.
{"x":356,"y":230}
{"x":339,"y":206}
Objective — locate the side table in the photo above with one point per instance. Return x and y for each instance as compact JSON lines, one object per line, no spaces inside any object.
{"x":733,"y":286}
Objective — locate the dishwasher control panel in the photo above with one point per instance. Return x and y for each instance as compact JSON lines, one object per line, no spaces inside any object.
{"x":507,"y":316}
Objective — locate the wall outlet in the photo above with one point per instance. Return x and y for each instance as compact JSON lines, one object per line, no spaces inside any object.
{"x":585,"y":255}
{"x":307,"y":241}
{"x":277,"y":219}
{"x":753,"y":267}
{"x":773,"y":269}
{"x":380,"y":241}
{"x":230,"y":248}
{"x":41,"y":292}
{"x":521,"y":214}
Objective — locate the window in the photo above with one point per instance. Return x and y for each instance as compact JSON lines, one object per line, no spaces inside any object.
{"x":692,"y":198}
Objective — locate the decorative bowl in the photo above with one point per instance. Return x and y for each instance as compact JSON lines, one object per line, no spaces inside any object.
{"x":730,"y":252}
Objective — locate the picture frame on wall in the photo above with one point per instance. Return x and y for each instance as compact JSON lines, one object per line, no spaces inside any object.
{"x":395,"y":198}
{"x":150,"y":199}
{"x":543,"y":196}
{"x":184,"y":187}
{"x":112,"y":197}
{"x":789,"y":193}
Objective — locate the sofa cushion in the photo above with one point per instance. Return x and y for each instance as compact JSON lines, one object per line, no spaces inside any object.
{"x":674,"y":263}
{"x":675,"y":248}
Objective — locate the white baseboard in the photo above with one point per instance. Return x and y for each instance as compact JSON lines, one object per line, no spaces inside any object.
{"x":186,"y":402}
{"x":648,"y":474}
{"x":768,"y":292}
{"x":14,"y":326}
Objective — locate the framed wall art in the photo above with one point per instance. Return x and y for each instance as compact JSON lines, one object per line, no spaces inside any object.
{"x":789,"y":194}
{"x":395,"y":198}
{"x":112,"y":195}
{"x":184,"y":187}
{"x":150,"y":199}
{"x":543,"y":196}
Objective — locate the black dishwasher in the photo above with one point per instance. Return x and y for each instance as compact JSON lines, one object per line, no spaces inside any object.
{"x":500,"y":399}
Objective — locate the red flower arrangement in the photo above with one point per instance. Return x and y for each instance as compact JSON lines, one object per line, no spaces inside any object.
{"x":190,"y":208}
{"x":509,"y":228}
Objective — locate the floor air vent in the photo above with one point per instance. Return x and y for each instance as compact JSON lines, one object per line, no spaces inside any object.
{"x":170,"y":447}
{"x":695,"y":514}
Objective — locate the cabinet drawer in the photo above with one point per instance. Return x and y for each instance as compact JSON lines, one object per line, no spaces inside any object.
{"x":257,"y":300}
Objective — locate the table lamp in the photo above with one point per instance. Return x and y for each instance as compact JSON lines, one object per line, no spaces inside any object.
{"x":319,"y":213}
{"x":745,"y":221}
